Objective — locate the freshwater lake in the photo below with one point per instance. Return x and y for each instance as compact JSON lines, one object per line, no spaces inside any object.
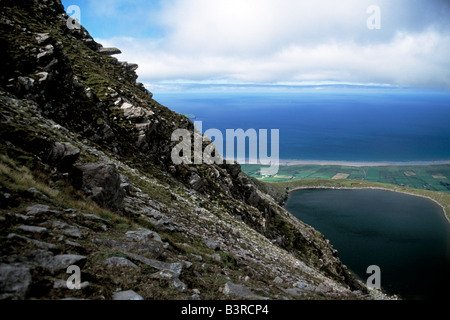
{"x":408,"y":237}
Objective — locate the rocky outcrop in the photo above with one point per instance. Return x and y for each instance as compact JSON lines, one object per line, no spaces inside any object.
{"x":126,"y":295}
{"x":101,"y":183}
{"x":63,"y":156}
{"x":238,"y":291}
{"x":120,"y":262}
{"x":108,"y":51}
{"x":15,"y":281}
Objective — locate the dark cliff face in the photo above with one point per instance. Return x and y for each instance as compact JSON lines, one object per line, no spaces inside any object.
{"x":75,"y":119}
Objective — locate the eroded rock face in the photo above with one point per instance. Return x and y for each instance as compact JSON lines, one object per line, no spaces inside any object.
{"x":134,"y":113}
{"x":15,"y":282}
{"x":238,"y":291}
{"x":109,"y":51}
{"x":63,"y":156}
{"x":101,"y":183}
{"x":120,"y":262}
{"x":127,"y":295}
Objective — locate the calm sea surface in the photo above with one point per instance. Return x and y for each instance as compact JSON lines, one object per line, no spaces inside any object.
{"x":406,"y":236}
{"x":352,"y":126}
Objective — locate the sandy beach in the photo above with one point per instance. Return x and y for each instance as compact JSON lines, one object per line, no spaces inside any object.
{"x":360,"y":164}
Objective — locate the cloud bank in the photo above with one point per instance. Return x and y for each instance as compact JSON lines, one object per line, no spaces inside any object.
{"x":268,"y":41}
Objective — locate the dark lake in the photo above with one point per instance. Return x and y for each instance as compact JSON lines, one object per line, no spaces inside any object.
{"x":407,"y":237}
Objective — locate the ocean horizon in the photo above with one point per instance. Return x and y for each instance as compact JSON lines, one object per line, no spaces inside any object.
{"x":343,"y":125}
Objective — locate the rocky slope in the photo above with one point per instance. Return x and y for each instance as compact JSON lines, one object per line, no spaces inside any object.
{"x":86,"y":179}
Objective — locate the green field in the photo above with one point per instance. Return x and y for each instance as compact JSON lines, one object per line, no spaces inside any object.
{"x":426,"y":177}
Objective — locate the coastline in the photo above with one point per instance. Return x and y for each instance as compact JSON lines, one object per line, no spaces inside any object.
{"x":444,"y":211}
{"x":288,"y":163}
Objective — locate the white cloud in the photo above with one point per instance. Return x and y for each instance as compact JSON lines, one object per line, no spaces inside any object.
{"x":267,"y":41}
{"x":257,"y":26}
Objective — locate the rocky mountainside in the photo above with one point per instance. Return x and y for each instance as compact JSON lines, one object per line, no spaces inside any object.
{"x":86,"y":179}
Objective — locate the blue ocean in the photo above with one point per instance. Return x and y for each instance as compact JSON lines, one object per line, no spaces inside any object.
{"x":392,"y":125}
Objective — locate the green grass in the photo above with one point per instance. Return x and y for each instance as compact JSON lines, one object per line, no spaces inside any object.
{"x":427,"y":177}
{"x":17,"y":178}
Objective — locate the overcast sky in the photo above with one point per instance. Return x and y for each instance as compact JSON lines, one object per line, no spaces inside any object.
{"x":277,"y":41}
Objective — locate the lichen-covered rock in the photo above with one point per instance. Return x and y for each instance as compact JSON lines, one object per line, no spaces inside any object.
{"x":143,"y":236}
{"x":172,"y":278}
{"x":126,"y":295}
{"x":64,"y":228}
{"x":137,"y":114}
{"x":101,"y":183}
{"x":63,"y":156}
{"x":32,"y":229}
{"x":62,"y":262}
{"x":108,"y":51}
{"x":15,"y":281}
{"x":120,"y":262}
{"x":239,"y":291}
{"x":149,"y":248}
{"x":37,"y":243}
{"x":37,"y":209}
{"x":71,"y":117}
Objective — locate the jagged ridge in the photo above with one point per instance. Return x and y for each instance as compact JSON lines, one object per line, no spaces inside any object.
{"x":90,"y":139}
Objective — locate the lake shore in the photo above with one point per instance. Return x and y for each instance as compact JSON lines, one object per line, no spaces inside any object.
{"x":394,"y":226}
{"x":360,"y":164}
{"x":446,"y":214}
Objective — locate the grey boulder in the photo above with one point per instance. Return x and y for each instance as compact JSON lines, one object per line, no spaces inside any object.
{"x":127,"y":295}
{"x":101,"y":183}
